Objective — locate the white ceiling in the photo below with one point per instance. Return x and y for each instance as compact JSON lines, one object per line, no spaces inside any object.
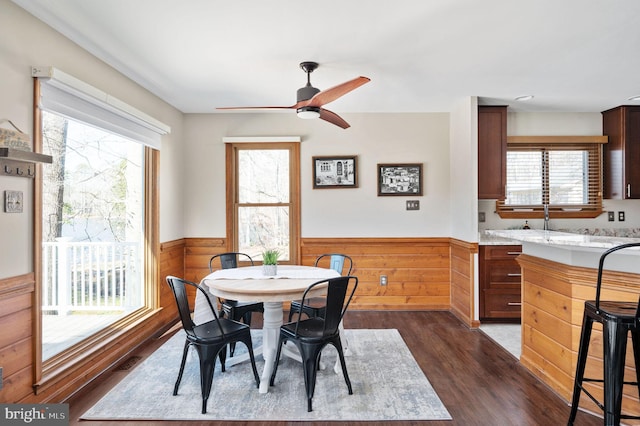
{"x":421,"y":55}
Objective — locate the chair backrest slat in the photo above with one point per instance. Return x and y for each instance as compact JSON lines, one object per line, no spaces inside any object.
{"x":340,"y":291}
{"x":179,"y":288}
{"x":229,"y":260}
{"x":601,"y":268}
{"x":337,"y":262}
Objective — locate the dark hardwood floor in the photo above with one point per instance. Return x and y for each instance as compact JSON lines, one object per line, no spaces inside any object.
{"x":478,"y":381}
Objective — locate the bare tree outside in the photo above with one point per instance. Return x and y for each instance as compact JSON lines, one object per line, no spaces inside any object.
{"x":264,"y":197}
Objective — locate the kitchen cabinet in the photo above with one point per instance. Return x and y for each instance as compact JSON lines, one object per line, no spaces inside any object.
{"x":500,"y":286}
{"x":492,"y":152}
{"x":621,"y":155}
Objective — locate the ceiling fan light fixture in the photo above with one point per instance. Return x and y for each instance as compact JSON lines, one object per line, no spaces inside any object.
{"x":308,"y":112}
{"x":524,"y":98}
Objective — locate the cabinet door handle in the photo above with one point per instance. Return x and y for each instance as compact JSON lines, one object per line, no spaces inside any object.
{"x":514,"y":304}
{"x":514,"y":275}
{"x":513,"y":253}
{"x":628,"y":190}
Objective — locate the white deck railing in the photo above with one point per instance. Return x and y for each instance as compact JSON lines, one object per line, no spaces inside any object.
{"x":86,"y":276}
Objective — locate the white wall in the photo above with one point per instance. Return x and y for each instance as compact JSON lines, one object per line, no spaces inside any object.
{"x":547,"y":124}
{"x":464,"y":169}
{"x":26,"y":41}
{"x":353,"y":212}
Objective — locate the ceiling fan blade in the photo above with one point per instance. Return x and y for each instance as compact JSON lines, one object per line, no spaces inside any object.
{"x":333,"y":118}
{"x":330,"y":95}
{"x":260,"y":107}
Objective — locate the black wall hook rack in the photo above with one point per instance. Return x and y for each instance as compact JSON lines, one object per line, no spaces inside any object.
{"x":15,"y":162}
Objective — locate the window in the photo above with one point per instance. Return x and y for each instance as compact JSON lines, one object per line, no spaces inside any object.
{"x":561,"y":172}
{"x":95,"y":205}
{"x":92,"y":231}
{"x":264,"y":193}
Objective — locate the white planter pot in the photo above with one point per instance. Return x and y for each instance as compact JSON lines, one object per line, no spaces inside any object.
{"x":269,"y":270}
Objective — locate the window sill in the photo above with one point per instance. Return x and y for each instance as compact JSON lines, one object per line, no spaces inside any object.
{"x":78,"y":357}
{"x":555,"y":214}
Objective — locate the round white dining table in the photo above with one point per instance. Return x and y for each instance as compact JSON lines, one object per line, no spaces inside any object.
{"x":248,"y":284}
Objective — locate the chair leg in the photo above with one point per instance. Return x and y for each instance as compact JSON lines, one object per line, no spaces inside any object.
{"x":232,"y":345}
{"x":223,"y":358}
{"x":338,"y":345}
{"x":635,"y":339}
{"x":207,"y":355}
{"x":184,"y":360}
{"x":583,"y":349}
{"x":615,"y":345}
{"x":276,"y":360}
{"x":249,"y":345}
{"x":310,"y":354}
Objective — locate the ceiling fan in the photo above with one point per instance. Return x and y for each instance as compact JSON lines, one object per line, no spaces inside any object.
{"x":310,"y":100}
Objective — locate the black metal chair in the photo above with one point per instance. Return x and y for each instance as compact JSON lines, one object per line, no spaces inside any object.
{"x":314,"y":307}
{"x":210,"y":338}
{"x":618,"y":319}
{"x":311,"y":335}
{"x":233,"y":309}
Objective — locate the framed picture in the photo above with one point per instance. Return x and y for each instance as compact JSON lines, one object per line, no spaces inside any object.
{"x":400,"y":179}
{"x":335,"y":172}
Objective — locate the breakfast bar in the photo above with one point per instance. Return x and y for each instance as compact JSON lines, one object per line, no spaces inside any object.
{"x":559,"y":272}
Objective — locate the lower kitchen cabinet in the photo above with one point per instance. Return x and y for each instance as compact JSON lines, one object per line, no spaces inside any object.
{"x":500,"y":283}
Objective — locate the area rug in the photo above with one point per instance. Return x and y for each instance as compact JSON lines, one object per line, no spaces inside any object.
{"x":387,"y":385}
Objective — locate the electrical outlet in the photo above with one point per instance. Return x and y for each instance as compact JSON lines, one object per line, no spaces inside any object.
{"x":612,"y":216}
{"x":621,"y":216}
{"x":481,"y":217}
{"x":383,"y":280}
{"x":413,"y":205}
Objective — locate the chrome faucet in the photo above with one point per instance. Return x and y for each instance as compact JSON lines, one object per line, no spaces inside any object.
{"x":546,"y":217}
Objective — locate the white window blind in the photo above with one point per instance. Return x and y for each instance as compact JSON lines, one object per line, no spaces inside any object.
{"x":66,"y":95}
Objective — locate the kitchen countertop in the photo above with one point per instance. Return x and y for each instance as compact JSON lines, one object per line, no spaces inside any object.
{"x":555,"y":238}
{"x":487,"y":239}
{"x":573,"y":249}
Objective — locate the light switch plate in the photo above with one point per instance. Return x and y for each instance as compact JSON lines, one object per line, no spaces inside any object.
{"x":413,"y":205}
{"x":612,"y":216}
{"x":13,"y":201}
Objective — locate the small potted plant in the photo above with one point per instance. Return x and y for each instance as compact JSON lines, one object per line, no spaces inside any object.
{"x":270,"y":262}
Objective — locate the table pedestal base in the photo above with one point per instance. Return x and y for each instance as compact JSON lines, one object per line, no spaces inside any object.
{"x":272,"y":320}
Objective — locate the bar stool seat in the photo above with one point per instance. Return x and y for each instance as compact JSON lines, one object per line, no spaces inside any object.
{"x":618,"y":319}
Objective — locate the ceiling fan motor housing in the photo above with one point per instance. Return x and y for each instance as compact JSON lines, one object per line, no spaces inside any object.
{"x":305,"y":93}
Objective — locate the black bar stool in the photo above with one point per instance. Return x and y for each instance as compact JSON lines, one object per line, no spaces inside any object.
{"x":618,"y":319}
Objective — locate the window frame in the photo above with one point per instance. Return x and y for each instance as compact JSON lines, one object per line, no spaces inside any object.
{"x":231,"y":157}
{"x":549,"y":143}
{"x":49,"y":372}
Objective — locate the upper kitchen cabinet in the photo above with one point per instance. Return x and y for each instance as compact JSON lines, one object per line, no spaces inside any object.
{"x":492,"y":152}
{"x":621,"y":156}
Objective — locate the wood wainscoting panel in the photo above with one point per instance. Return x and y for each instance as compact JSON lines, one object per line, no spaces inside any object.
{"x":417,"y":270}
{"x":16,"y":337}
{"x":197,"y":253}
{"x":172,"y":258}
{"x":553,"y":305}
{"x":546,"y":321}
{"x":463,"y":281}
